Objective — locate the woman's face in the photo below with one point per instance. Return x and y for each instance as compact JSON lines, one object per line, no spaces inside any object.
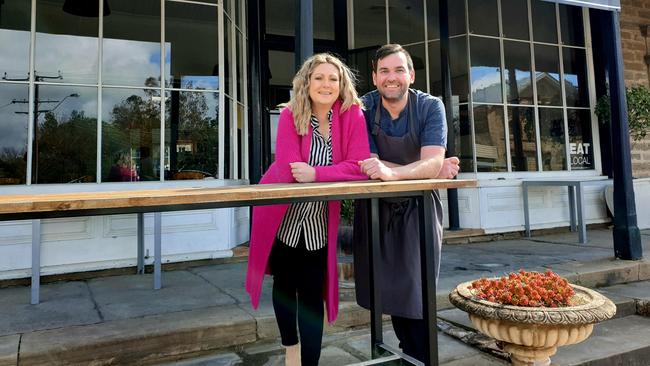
{"x":324,"y":85}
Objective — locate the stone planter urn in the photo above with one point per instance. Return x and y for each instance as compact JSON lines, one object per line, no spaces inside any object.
{"x":532,"y":334}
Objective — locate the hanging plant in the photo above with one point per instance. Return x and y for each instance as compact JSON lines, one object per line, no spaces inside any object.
{"x":638,"y":111}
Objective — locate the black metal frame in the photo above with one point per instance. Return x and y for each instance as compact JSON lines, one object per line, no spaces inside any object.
{"x":425,"y":201}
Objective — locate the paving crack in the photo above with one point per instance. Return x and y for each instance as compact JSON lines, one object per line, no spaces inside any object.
{"x":20,"y":341}
{"x":92,"y":297}
{"x":213,"y":285}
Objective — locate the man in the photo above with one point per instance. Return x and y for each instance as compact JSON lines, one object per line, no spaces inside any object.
{"x":408,"y":136}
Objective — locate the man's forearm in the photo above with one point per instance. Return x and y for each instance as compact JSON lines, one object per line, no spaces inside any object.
{"x":421,"y":169}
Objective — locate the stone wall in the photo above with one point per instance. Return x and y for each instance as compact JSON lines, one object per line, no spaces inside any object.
{"x":635,"y":37}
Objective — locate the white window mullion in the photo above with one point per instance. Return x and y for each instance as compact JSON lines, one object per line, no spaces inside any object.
{"x":470,"y":97}
{"x":533,"y":75}
{"x":100,"y":56}
{"x":504,"y":94}
{"x":234,"y":106}
{"x":222,"y":91}
{"x":161,"y":164}
{"x":31,"y":97}
{"x":387,"y":23}
{"x":567,"y":150}
{"x":244,"y":64}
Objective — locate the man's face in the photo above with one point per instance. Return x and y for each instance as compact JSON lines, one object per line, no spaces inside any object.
{"x":393,"y":76}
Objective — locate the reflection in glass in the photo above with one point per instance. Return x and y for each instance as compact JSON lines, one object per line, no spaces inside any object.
{"x":464,"y":141}
{"x":369,"y":23}
{"x":323,"y":19}
{"x":544,"y":25}
{"x":489,"y":134}
{"x":515,"y":16}
{"x":131,"y":53}
{"x":280,"y":17}
{"x":575,"y":77}
{"x":486,"y":70}
{"x":14,"y":39}
{"x":66,"y":45}
{"x":418,"y":55}
{"x":227,"y":42}
{"x":456,"y":17}
{"x":65,"y":147}
{"x":13,"y":133}
{"x":130,"y":135}
{"x":240,"y":63}
{"x":523,"y":143}
{"x":551,"y":133}
{"x":580,"y":140}
{"x":547,"y":75}
{"x":571,"y":25}
{"x":519,"y":88}
{"x":406,"y":22}
{"x":435,"y":72}
{"x":483,"y":17}
{"x":191,"y":135}
{"x":191,"y":46}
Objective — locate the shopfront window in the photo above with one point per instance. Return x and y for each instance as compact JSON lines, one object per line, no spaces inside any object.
{"x":551,"y":132}
{"x":581,"y":147}
{"x":486,"y":70}
{"x":523,"y":142}
{"x":489,"y":136}
{"x":132,"y":81}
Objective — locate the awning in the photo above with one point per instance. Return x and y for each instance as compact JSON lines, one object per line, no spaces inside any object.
{"x":598,"y":4}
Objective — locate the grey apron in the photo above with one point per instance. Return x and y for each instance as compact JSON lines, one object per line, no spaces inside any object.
{"x":400,"y":267}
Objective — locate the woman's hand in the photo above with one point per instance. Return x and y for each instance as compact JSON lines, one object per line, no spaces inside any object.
{"x":303,"y":172}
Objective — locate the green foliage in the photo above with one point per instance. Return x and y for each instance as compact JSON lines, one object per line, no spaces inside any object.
{"x":638,"y":111}
{"x":347,"y":211}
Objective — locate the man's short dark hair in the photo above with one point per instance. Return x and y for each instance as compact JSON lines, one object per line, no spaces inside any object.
{"x":389,"y":49}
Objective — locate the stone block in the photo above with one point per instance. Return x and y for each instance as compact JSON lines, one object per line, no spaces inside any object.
{"x":146,"y":340}
{"x":606,"y":272}
{"x":9,"y":350}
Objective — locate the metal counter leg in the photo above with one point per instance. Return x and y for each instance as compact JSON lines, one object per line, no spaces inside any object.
{"x":376,"y":334}
{"x":524,"y":188}
{"x":157,"y":238}
{"x":428,"y":277}
{"x":140,"y":243}
{"x":36,"y":261}
{"x":572,"y":207}
{"x":582,"y":226}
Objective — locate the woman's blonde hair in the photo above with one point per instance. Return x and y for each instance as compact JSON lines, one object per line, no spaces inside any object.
{"x":300,"y":103}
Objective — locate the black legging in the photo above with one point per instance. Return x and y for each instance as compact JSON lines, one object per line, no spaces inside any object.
{"x":298,"y":280}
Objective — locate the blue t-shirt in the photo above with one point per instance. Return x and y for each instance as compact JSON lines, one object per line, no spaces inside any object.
{"x":429,"y":116}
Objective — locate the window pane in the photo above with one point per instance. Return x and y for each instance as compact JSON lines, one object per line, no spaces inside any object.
{"x":281,"y":17}
{"x":489,"y":133}
{"x":240,"y":62}
{"x":435,"y":73}
{"x":551,"y":132}
{"x":486,"y":70}
{"x":575,"y":77}
{"x":483,"y":17}
{"x":515,"y":19}
{"x":369,"y":23}
{"x":464,"y":141}
{"x":571,"y":25}
{"x":418,"y":55}
{"x":227,"y":77}
{"x":323,"y":19}
{"x":406,"y":19}
{"x":433,"y":19}
{"x":238,"y":9}
{"x":523,"y":143}
{"x":131,"y":54}
{"x":14,"y":39}
{"x":13,"y":133}
{"x":65,"y":143}
{"x":191,"y":135}
{"x":459,"y":76}
{"x":519,"y":88}
{"x":544,"y":25}
{"x":130,"y":135}
{"x":547,"y":75}
{"x":580,"y":139}
{"x":191,"y":46}
{"x":66,"y":45}
{"x":456,"y":11}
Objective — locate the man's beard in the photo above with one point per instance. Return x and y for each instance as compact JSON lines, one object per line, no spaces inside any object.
{"x":393,"y":98}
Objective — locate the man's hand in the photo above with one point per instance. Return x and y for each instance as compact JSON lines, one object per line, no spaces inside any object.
{"x":303,"y":172}
{"x":376,"y":169}
{"x":450,"y":168}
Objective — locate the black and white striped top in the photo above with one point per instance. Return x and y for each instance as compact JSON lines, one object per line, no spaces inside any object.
{"x":310,"y":217}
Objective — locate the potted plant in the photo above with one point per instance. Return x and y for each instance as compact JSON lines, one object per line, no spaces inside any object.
{"x":532,"y":313}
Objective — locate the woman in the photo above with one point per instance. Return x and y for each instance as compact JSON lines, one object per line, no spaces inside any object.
{"x":321,"y":137}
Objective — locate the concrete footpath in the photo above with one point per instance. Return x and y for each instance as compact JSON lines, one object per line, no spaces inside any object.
{"x":203,"y":313}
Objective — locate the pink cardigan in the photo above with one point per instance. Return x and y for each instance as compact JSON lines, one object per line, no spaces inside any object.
{"x":349,"y":145}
